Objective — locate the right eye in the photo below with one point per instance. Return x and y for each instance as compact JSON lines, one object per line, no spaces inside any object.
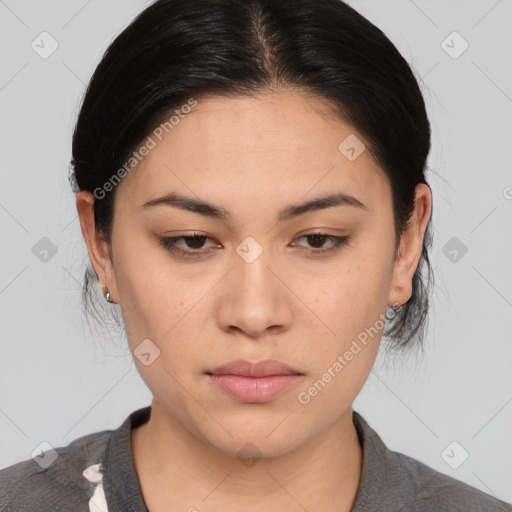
{"x":194,"y":241}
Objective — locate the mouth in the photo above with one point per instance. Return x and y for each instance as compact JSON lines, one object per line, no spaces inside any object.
{"x":254,"y":382}
{"x":265,"y":368}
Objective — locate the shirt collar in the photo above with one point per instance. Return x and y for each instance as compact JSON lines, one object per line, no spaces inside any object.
{"x":380,"y":469}
{"x":120,"y":480}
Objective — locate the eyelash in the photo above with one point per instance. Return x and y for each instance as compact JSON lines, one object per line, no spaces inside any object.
{"x":169,"y":243}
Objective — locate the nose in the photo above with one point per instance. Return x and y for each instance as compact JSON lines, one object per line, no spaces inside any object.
{"x":254,"y":299}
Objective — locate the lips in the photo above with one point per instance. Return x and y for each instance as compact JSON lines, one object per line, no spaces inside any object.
{"x":254,"y":382}
{"x":264,"y":368}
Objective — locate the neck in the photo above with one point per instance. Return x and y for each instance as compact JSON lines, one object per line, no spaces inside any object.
{"x":175,"y":466}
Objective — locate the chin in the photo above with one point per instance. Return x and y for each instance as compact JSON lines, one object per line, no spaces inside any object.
{"x":249,"y":448}
{"x":271,"y":438}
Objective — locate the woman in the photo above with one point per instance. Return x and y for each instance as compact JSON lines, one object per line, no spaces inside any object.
{"x":250,"y":186}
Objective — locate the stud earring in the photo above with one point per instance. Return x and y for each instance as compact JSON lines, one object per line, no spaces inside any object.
{"x":106,"y":294}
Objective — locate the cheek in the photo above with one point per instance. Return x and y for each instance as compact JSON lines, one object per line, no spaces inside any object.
{"x":147,"y":295}
{"x":161,"y":303}
{"x":350,"y":306}
{"x":350,"y":300}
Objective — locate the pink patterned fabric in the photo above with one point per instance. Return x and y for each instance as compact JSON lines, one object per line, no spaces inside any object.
{"x":97,"y":503}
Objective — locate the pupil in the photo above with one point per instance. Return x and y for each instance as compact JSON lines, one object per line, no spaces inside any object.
{"x":198,"y":240}
{"x":317,"y":238}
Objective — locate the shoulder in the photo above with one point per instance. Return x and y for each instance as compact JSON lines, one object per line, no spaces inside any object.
{"x":433,"y":490}
{"x":400,"y":483}
{"x":55,"y":478}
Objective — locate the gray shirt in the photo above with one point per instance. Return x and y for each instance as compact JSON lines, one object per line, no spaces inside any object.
{"x":98,"y":469}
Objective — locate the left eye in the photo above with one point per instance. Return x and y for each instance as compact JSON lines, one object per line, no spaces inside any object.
{"x":319,"y":239}
{"x":196,"y":242}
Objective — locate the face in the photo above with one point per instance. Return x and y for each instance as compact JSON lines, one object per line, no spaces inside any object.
{"x":252,"y":278}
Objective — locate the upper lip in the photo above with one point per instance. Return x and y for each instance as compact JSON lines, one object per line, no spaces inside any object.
{"x":249,"y":369}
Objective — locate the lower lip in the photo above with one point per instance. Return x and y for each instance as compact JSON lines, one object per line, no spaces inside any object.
{"x":254,"y":389}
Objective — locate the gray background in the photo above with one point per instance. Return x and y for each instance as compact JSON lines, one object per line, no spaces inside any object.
{"x":59,"y":380}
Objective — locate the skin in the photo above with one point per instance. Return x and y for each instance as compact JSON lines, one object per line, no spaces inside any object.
{"x":253,"y":157}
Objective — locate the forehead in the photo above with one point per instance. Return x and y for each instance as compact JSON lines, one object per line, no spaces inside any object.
{"x":275,"y":145}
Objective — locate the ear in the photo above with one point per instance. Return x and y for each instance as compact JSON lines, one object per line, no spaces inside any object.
{"x":411,"y":244}
{"x":97,"y":246}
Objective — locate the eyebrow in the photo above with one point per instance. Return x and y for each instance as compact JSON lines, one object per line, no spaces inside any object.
{"x":292,"y":211}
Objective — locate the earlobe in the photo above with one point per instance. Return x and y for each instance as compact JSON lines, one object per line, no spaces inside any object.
{"x":400,"y":290}
{"x":97,"y":247}
{"x":411,"y":246}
